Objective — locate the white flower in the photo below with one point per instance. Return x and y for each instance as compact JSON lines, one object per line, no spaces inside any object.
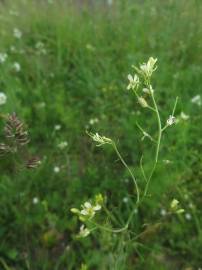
{"x":3,"y":98}
{"x":100,"y":139}
{"x":3,"y":57}
{"x":171,"y":120}
{"x":57,"y":127}
{"x":17,"y":33}
{"x":188,"y":216}
{"x":184,"y":116}
{"x":146,"y":69}
{"x":93,"y":121}
{"x":83,"y":231}
{"x":35,"y":200}
{"x":62,"y":145}
{"x":56,"y":169}
{"x":16,"y":67}
{"x":87,"y":210}
{"x":125,"y":200}
{"x":196,"y":100}
{"x":133,"y":82}
{"x":13,"y":48}
{"x":40,"y":48}
{"x":110,"y":2}
{"x":163,"y":212}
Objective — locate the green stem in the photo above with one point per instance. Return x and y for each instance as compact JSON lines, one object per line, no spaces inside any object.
{"x":129,"y":170}
{"x":158,"y":143}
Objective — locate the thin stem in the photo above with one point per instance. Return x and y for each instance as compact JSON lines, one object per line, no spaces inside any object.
{"x":158,"y":143}
{"x":129,"y":170}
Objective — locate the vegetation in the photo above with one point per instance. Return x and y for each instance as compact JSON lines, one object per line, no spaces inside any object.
{"x":63,"y":71}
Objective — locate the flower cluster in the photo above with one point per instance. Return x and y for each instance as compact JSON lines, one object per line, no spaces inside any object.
{"x":146,"y":69}
{"x":101,"y":140}
{"x":87,"y":213}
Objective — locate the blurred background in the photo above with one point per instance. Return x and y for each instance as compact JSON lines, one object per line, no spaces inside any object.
{"x":63,"y":70}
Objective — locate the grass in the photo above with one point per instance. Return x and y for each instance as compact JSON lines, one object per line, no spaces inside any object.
{"x":83,"y":76}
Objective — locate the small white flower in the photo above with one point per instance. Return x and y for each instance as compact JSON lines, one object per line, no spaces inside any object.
{"x":163,"y":212}
{"x":133,"y":82}
{"x":110,"y":2}
{"x":56,"y":169}
{"x":100,"y":139}
{"x":13,"y":48}
{"x":196,"y":100}
{"x":3,"y":98}
{"x":62,"y":145}
{"x":83,"y":232}
{"x":16,"y":67}
{"x":93,"y":121}
{"x":35,"y":200}
{"x":171,"y":120}
{"x":41,"y":105}
{"x":40,"y":48}
{"x":146,"y":69}
{"x":184,"y":116}
{"x":57,"y":127}
{"x":167,"y":161}
{"x":13,"y":12}
{"x":125,"y":200}
{"x":17,"y":33}
{"x":188,"y":216}
{"x":3,"y":57}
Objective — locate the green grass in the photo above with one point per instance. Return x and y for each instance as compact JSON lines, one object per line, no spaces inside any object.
{"x":82,"y":76}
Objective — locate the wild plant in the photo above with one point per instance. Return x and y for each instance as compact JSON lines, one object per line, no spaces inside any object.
{"x":16,"y":138}
{"x":140,"y":85}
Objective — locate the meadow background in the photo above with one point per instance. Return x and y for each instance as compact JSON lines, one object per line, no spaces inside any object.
{"x":66,"y":72}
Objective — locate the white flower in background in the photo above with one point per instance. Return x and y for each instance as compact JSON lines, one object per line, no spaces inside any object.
{"x":13,"y":12}
{"x":171,"y":120}
{"x":188,"y":216}
{"x":163,"y":212}
{"x":100,"y":139}
{"x":93,"y":121}
{"x":133,"y":82}
{"x":16,"y":67}
{"x":57,"y":127}
{"x":83,"y":232}
{"x":62,"y":145}
{"x":146,"y":69}
{"x":196,"y":100}
{"x":3,"y":98}
{"x":41,"y":105}
{"x":110,"y":2}
{"x":3,"y":57}
{"x":17,"y":33}
{"x":184,"y":116}
{"x":13,"y":48}
{"x":56,"y":169}
{"x":40,"y":47}
{"x":35,"y":200}
{"x":125,"y":199}
{"x":90,"y":47}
